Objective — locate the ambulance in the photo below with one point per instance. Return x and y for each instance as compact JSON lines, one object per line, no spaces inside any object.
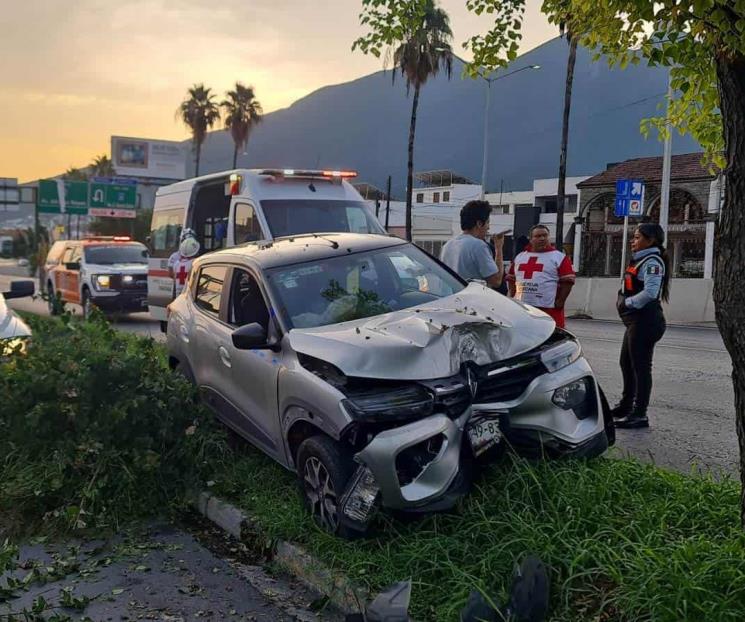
{"x":247,"y":205}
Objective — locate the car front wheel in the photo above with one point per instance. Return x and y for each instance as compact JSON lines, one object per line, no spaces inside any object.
{"x":52,"y":303}
{"x":324,"y":471}
{"x":87,"y":304}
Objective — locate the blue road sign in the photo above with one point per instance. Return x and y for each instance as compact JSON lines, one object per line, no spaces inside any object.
{"x":629,"y":198}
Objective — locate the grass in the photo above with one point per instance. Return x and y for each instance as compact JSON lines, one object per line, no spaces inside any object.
{"x":96,"y":431}
{"x":624,"y":541}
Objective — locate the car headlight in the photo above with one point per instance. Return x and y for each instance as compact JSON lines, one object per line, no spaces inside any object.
{"x":102,"y":281}
{"x":400,"y":402}
{"x":562,"y":354}
{"x":14,"y":345}
{"x":127,"y":278}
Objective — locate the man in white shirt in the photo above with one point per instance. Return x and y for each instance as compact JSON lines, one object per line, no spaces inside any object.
{"x":468,"y":254}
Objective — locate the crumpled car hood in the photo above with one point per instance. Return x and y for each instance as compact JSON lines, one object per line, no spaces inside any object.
{"x":11,"y":326}
{"x":431,"y":340}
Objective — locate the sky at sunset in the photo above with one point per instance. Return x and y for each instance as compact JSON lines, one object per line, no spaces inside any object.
{"x":74,"y":73}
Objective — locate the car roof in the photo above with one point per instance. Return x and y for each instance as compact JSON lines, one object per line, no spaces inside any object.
{"x":301,"y":248}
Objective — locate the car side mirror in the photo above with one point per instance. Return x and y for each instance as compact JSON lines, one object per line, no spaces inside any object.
{"x":72,"y":265}
{"x":20,"y":289}
{"x":252,"y":337}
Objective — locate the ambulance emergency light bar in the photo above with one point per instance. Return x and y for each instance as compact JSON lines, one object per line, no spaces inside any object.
{"x":308,"y":174}
{"x":233,"y":186}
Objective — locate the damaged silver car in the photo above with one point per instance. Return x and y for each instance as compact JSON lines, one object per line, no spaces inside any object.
{"x":375,"y":373}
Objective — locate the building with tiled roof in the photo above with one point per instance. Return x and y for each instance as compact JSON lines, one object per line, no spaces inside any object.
{"x":694,"y":202}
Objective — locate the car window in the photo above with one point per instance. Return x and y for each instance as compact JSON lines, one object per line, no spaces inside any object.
{"x":246,"y":228}
{"x":67,"y":255}
{"x":55,"y":253}
{"x":359,"y":285}
{"x":165,"y":231}
{"x":77,"y":254}
{"x":247,"y":303}
{"x":209,"y":288}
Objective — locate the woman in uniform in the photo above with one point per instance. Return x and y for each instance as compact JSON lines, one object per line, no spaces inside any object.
{"x":645,"y":286}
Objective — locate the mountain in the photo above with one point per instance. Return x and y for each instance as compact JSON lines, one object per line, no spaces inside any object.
{"x":363,"y":124}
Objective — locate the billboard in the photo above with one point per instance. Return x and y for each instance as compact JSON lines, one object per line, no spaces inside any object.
{"x":142,"y":157}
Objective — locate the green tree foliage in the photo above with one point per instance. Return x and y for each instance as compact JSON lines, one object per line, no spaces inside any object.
{"x":102,"y":166}
{"x":703,"y":44}
{"x":95,"y":429}
{"x":199,"y":112}
{"x":416,"y":36}
{"x":242,"y":112}
{"x":75,"y":174}
{"x":138,"y":227}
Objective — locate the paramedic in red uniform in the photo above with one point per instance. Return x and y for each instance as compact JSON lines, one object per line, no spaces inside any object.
{"x":542,"y":276}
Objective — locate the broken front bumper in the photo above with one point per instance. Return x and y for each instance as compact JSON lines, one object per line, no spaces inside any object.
{"x":420,"y":467}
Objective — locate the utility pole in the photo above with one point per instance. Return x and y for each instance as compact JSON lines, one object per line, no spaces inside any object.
{"x":486,"y":139}
{"x":387,"y":202}
{"x":666,"y":163}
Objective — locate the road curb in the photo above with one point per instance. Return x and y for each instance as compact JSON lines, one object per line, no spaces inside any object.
{"x":293,"y":559}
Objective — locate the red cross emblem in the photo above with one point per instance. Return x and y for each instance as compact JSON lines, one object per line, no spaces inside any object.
{"x":529,"y":268}
{"x":181,"y":274}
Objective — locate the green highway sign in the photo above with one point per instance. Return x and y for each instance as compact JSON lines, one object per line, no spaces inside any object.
{"x":81,"y":195}
{"x":113,"y":195}
{"x":76,"y":197}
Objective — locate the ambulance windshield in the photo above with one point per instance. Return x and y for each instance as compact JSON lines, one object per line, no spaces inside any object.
{"x":108,"y":255}
{"x":298,"y":216}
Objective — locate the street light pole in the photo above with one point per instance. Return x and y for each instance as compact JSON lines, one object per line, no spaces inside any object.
{"x":666,"y":165}
{"x":485,"y":158}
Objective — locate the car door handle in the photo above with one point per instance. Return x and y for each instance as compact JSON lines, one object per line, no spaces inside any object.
{"x":224,"y":356}
{"x":184,"y":333}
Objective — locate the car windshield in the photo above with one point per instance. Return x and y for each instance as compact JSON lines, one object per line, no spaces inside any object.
{"x":359,"y":285}
{"x":298,"y":216}
{"x":116,"y":253}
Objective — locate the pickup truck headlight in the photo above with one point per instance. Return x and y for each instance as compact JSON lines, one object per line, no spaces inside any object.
{"x":400,"y":402}
{"x":562,"y":354}
{"x":102,"y":281}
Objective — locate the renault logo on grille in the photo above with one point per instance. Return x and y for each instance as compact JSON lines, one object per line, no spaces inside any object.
{"x":473,"y":384}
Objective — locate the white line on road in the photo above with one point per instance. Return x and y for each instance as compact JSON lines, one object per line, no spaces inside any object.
{"x":660,"y":345}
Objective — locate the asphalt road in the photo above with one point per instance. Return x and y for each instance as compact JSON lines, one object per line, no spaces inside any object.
{"x":692,"y":410}
{"x":162,"y":573}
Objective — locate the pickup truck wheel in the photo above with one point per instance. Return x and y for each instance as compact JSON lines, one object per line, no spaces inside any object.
{"x":51,"y":301}
{"x":324,"y":471}
{"x":87,"y":304}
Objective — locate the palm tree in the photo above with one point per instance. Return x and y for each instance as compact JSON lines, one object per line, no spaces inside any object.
{"x":561,"y":191}
{"x":75,"y":174}
{"x":102,"y":166}
{"x":199,"y":112}
{"x":421,"y":55}
{"x":242,"y":112}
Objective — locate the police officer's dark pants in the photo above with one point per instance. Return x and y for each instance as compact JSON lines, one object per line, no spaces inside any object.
{"x":643,"y":331}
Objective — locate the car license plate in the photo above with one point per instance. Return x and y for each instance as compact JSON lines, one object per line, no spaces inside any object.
{"x":484,"y":433}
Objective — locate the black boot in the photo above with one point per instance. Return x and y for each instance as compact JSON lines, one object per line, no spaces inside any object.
{"x":621,"y":410}
{"x":635,"y":419}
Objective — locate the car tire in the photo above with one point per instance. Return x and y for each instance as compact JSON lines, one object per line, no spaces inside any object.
{"x":323,"y":473}
{"x":85,"y":302}
{"x":51,"y":301}
{"x":183,"y":370}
